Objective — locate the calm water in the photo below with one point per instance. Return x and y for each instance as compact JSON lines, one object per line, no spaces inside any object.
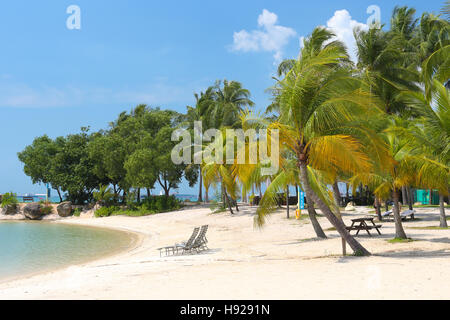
{"x":29,"y":247}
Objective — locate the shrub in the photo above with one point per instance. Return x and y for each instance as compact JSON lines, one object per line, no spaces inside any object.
{"x":105,"y":211}
{"x":161,"y":204}
{"x":104,"y":196}
{"x":77,"y":212}
{"x":9,"y":199}
{"x":46,"y":208}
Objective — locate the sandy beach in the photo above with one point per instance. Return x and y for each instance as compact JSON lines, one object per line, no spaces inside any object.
{"x":281,"y":261}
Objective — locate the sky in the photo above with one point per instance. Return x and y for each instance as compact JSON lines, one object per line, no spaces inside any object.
{"x":56,"y":78}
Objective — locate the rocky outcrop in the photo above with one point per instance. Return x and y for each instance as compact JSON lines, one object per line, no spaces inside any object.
{"x":33,"y":211}
{"x":64,"y":209}
{"x":9,"y":210}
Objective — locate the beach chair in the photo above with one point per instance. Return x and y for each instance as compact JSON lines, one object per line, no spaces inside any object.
{"x":408,"y":213}
{"x":177,"y":246}
{"x":199,"y":243}
{"x":386,"y":214}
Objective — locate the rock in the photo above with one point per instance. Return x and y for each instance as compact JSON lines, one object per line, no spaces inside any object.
{"x":9,"y":210}
{"x":64,"y":209}
{"x":33,"y":211}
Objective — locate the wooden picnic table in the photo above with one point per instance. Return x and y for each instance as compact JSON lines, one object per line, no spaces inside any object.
{"x":366,"y":224}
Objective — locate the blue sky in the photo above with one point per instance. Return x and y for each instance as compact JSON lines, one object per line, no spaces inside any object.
{"x":54,"y":80}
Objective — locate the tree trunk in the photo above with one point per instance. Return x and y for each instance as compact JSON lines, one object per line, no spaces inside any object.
{"x":410,"y":197}
{"x":378,"y":209}
{"x":443,"y":218}
{"x":338,"y":224}
{"x":399,"y":231}
{"x":200,"y":195}
{"x":337,"y":194}
{"x":347,"y":192}
{"x":313,"y":217}
{"x":206,"y":195}
{"x":430,"y":202}
{"x":387,"y":206}
{"x":228,"y":202}
{"x":404,"y":197}
{"x":139,"y":195}
{"x":59,"y":194}
{"x":287,"y":202}
{"x":148,"y":193}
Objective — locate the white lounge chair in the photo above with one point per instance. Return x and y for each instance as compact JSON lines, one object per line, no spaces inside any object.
{"x":386,"y":214}
{"x":408,"y":213}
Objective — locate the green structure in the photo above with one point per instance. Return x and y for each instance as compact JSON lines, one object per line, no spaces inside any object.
{"x":423,"y":196}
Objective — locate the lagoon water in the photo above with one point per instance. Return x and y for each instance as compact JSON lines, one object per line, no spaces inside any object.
{"x":31,"y":247}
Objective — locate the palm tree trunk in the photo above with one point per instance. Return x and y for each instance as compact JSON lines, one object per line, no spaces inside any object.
{"x":200,"y":196}
{"x":313,"y":217}
{"x":387,"y":206}
{"x":338,"y":224}
{"x":430,"y":202}
{"x":443,"y":218}
{"x":287,"y":202}
{"x":410,"y":197}
{"x":399,"y":231}
{"x":337,"y":194}
{"x":206,"y":195}
{"x":139,"y":195}
{"x":378,"y":209}
{"x":404,"y":198}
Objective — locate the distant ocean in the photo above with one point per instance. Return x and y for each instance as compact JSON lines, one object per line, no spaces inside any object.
{"x":182,"y":197}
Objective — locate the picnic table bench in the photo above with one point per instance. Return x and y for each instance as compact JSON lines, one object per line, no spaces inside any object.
{"x":360,"y":224}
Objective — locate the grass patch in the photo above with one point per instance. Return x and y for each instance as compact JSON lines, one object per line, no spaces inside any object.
{"x":77,"y":212}
{"x":398,"y":240}
{"x":430,"y":206}
{"x":428,"y":228}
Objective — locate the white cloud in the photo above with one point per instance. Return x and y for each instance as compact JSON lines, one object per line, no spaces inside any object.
{"x":343,"y":25}
{"x":270,"y":37}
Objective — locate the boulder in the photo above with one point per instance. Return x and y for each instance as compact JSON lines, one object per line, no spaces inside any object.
{"x":9,"y":210}
{"x":33,"y":211}
{"x":64,"y":209}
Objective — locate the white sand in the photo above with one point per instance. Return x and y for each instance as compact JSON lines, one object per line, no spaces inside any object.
{"x":280,"y":261}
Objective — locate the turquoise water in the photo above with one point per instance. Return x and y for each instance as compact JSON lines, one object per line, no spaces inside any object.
{"x":31,"y":247}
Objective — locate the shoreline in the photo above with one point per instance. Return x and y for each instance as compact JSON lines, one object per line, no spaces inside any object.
{"x":285,"y":254}
{"x":135,"y":238}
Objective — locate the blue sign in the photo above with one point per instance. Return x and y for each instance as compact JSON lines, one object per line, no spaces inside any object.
{"x":301,"y":197}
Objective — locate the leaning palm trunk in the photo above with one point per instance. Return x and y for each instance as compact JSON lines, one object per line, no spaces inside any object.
{"x":399,"y":232}
{"x":338,"y":224}
{"x":313,"y":217}
{"x":443,"y":218}
{"x":337,"y":194}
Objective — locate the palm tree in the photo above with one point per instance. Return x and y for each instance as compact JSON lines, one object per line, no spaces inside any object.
{"x":204,"y":103}
{"x":230,"y":99}
{"x":317,"y":98}
{"x":431,"y":134}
